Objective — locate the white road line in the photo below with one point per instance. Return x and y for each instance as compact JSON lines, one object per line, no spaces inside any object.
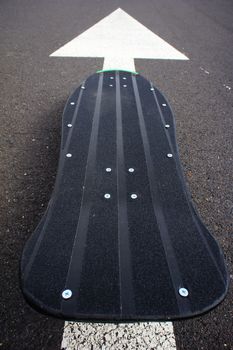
{"x":119,"y":38}
{"x":108,"y":336}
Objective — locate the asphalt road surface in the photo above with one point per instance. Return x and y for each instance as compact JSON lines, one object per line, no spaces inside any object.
{"x":34,"y":89}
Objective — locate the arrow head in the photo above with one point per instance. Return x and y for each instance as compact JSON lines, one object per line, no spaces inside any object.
{"x":120,"y":38}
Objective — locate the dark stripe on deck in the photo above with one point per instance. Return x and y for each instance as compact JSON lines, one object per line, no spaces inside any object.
{"x":183,"y":305}
{"x":76,"y":261}
{"x":55,"y":191}
{"x":126,"y":288}
{"x":187,"y":196}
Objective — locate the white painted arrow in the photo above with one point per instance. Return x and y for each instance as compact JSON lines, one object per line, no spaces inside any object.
{"x":119,"y":38}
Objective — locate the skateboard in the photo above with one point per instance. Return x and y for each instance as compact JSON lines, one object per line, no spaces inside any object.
{"x":120,"y":240}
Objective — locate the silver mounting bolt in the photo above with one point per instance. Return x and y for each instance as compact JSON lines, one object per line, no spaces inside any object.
{"x":69,"y":125}
{"x":66,"y":294}
{"x":68,"y":155}
{"x":167,"y":126}
{"x":111,"y":85}
{"x":124,"y":86}
{"x":169,"y":155}
{"x":164,"y":104}
{"x":131,"y":170}
{"x":183,"y":292}
{"x":111,"y":77}
{"x":108,"y":170}
{"x":83,"y":87}
{"x":134,"y":196}
{"x":152,"y":89}
{"x":72,"y":103}
{"x":107,"y":196}
{"x":124,"y":78}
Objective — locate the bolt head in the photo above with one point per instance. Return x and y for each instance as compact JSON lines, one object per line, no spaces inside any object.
{"x":134,"y":196}
{"x":107,"y":196}
{"x":69,"y":125}
{"x":164,"y":104}
{"x":131,"y":170}
{"x":108,"y":170}
{"x":124,"y":86}
{"x":152,"y":89}
{"x":167,"y":126}
{"x":169,"y":155}
{"x":83,"y":87}
{"x":183,"y":292}
{"x":72,"y":103}
{"x":66,"y":294}
{"x":68,"y":155}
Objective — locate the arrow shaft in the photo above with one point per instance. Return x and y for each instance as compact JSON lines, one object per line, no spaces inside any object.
{"x":123,"y":63}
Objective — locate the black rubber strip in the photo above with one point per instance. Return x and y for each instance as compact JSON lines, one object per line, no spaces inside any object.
{"x":78,"y":250}
{"x":182,"y":303}
{"x":56,"y":186}
{"x":126,"y":289}
{"x":188,"y":198}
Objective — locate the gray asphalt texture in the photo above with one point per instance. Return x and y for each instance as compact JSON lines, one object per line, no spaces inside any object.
{"x":34,"y":89}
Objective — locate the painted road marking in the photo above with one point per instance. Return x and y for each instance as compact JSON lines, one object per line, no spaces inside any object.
{"x":105,"y":336}
{"x":119,"y":38}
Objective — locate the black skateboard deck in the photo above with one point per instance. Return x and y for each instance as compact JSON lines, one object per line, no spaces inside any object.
{"x":120,"y":239}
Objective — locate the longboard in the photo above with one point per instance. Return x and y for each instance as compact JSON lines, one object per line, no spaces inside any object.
{"x":121,"y":239}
